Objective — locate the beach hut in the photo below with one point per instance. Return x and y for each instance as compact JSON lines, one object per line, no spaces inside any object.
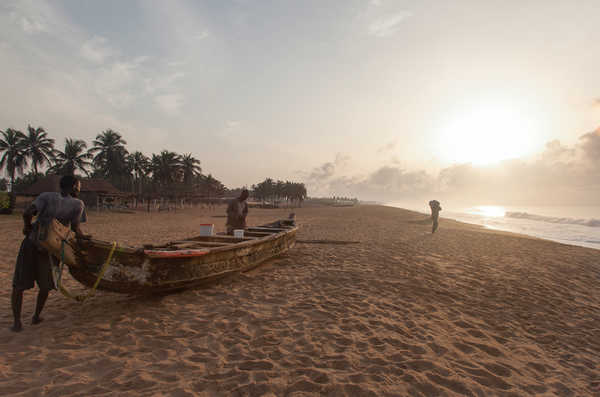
{"x":95,"y":192}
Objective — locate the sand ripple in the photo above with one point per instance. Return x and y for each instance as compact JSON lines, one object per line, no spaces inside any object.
{"x":464,"y":312}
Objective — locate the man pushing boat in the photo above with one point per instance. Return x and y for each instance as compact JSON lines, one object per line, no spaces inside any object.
{"x":33,"y":261}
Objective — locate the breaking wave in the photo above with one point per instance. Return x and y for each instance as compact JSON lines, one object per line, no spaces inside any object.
{"x":567,"y":221}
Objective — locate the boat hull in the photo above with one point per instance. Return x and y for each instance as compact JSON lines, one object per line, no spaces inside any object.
{"x":163,"y":269}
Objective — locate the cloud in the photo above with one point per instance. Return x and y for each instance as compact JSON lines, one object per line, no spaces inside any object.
{"x":162,"y":83}
{"x":31,"y":25}
{"x":117,"y":83}
{"x":169,"y":103}
{"x":395,"y":160}
{"x":96,"y":49}
{"x":112,"y":79}
{"x":388,"y":25}
{"x":561,"y":175}
{"x":135,"y":82}
{"x":556,"y":152}
{"x":385,"y":183}
{"x":388,"y":147}
{"x":202,"y":35}
{"x":325,"y":171}
{"x":33,"y":17}
{"x":29,"y":19}
{"x":232,"y":124}
{"x":589,"y":144}
{"x":175,"y":64}
{"x":341,"y":160}
{"x":397,"y":180}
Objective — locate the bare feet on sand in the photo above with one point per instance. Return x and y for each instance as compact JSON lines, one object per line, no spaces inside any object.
{"x":17,"y":327}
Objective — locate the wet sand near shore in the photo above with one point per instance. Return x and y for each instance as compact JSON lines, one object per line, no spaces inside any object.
{"x":466,"y":311}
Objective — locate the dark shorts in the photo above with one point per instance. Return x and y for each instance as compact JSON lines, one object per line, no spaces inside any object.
{"x":33,"y":264}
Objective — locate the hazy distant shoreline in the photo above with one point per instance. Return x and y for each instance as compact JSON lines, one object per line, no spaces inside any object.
{"x":572,"y":225}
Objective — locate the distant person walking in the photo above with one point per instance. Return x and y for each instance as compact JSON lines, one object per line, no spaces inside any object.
{"x":33,"y":261}
{"x":236,"y":212}
{"x":435,"y":214}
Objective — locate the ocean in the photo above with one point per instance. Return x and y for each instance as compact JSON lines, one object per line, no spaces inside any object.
{"x":575,"y":225}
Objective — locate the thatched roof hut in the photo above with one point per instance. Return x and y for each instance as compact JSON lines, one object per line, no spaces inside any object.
{"x":93,"y":190}
{"x":50,"y":183}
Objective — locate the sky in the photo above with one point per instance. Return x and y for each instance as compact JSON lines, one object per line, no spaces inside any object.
{"x":384,"y":100}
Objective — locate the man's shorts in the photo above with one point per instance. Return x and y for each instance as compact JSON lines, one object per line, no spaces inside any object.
{"x":33,"y":264}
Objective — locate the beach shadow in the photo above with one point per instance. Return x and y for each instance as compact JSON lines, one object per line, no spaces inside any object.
{"x":111,"y":307}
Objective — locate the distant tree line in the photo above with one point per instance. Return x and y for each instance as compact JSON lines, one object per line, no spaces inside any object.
{"x":166,"y":172}
{"x":278,"y":191}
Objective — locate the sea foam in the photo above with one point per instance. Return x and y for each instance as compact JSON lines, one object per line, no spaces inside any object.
{"x":541,"y":218}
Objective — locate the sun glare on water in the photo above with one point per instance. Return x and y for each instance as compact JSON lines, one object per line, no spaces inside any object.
{"x":486,"y":136}
{"x":488,"y":211}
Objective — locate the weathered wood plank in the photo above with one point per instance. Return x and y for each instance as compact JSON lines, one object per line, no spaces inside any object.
{"x":202,"y":243}
{"x":257,"y":234}
{"x":221,"y":238}
{"x":266,"y":229}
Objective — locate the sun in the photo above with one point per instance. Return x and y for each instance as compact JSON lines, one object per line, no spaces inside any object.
{"x":483,"y":136}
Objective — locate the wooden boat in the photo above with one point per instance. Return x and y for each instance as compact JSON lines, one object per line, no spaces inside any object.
{"x":173,"y":266}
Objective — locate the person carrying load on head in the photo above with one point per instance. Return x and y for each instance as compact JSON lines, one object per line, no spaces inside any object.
{"x":33,"y":261}
{"x":435,"y":213}
{"x":237,"y":210}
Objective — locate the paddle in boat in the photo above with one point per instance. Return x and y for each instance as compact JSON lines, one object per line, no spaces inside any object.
{"x":177,"y":265}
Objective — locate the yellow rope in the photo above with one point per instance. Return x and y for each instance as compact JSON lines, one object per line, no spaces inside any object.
{"x":67,"y":293}
{"x":105,"y":266}
{"x":81,"y":298}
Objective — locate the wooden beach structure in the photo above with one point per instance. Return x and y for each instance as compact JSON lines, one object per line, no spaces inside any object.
{"x":177,"y":265}
{"x":95,"y":192}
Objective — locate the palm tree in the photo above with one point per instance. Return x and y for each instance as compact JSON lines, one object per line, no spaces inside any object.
{"x":139,"y":165}
{"x":38,"y":147}
{"x":290,"y":191}
{"x":211,"y":187}
{"x":13,"y":159}
{"x":298,"y":192}
{"x":166,"y":168}
{"x":110,"y":156}
{"x":74,"y":158}
{"x":190,"y":167}
{"x":279,"y":191}
{"x":265,"y":190}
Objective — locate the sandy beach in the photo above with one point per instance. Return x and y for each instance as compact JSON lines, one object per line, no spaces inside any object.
{"x":466,"y":311}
